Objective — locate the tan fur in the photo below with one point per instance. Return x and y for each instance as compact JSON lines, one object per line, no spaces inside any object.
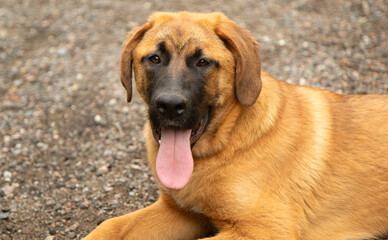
{"x":300,"y":163}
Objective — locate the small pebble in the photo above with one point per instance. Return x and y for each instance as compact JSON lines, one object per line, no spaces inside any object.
{"x":52,"y":231}
{"x":103,"y":169}
{"x":132,"y":194}
{"x":5,"y":209}
{"x":112,"y":102}
{"x":7,"y":176}
{"x":8,"y":189}
{"x":74,"y":227}
{"x":84,"y":205}
{"x":79,"y":76}
{"x":61,"y":52}
{"x":7,"y":140}
{"x":97,"y":118}
{"x":108,"y":188}
{"x":71,"y":235}
{"x":282,"y":42}
{"x":122,"y":180}
{"x":4,"y":216}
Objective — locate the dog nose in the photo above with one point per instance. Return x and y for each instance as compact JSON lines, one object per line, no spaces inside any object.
{"x":171,"y":105}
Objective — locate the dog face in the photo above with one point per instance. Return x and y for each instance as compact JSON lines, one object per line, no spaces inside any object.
{"x":181,"y":74}
{"x":187,"y":65}
{"x":188,"y":68}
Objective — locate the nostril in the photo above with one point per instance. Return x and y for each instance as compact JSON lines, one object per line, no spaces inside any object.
{"x":162,"y":107}
{"x":180,"y":108}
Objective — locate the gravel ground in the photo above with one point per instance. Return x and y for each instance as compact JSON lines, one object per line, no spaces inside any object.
{"x":71,"y":148}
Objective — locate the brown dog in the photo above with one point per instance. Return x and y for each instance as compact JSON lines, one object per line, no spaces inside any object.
{"x":293,"y":163}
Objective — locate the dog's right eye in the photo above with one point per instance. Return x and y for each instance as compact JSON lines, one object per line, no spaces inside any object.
{"x":202,"y":63}
{"x":154,"y":59}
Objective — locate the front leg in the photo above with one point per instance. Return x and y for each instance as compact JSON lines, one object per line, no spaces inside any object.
{"x":163,"y":220}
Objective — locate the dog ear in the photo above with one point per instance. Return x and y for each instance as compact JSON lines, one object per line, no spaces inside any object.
{"x":132,"y":40}
{"x":246,"y":53}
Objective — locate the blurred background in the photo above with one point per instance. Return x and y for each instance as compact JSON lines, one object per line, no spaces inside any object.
{"x":71,"y":148}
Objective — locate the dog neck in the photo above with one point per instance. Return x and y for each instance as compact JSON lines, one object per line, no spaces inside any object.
{"x":267,"y":109}
{"x":234,"y":120}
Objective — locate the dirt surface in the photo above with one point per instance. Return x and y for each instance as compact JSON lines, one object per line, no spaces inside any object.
{"x":71,"y":148}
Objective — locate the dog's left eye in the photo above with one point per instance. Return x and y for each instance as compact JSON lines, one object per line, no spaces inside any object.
{"x":202,"y":63}
{"x":154,"y":59}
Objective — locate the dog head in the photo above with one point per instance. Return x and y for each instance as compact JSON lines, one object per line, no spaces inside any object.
{"x":187,"y":66}
{"x":182,"y":62}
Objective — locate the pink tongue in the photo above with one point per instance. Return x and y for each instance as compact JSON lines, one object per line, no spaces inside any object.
{"x":174,"y":163}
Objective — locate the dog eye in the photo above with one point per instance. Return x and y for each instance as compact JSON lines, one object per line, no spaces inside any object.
{"x":154,"y":59}
{"x":202,"y":63}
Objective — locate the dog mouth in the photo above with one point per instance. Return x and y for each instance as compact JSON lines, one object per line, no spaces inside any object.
{"x":174,"y":161}
{"x":196,"y":132}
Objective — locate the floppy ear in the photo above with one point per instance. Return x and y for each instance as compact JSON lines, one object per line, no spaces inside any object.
{"x":133,"y":39}
{"x":246,"y":53}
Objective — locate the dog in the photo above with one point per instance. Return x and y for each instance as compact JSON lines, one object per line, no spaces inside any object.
{"x":239,"y":154}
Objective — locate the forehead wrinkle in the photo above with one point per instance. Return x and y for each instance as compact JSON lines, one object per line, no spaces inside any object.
{"x":190,"y":40}
{"x":180,"y":45}
{"x":173,"y":42}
